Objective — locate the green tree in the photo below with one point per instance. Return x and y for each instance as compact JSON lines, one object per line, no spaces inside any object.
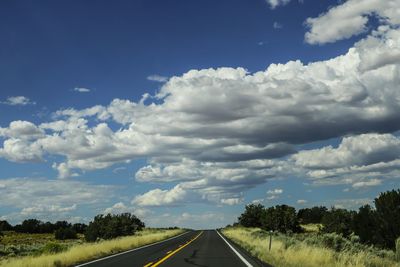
{"x":311,"y":215}
{"x":281,"y":218}
{"x":387,"y":206}
{"x":65,"y":233}
{"x":252,"y":216}
{"x":5,"y":226}
{"x":111,"y":226}
{"x":338,"y":221}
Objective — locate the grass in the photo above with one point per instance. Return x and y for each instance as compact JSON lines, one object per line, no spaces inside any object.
{"x":15,"y":244}
{"x":88,"y":251}
{"x":312,"y":227}
{"x":309,"y":250}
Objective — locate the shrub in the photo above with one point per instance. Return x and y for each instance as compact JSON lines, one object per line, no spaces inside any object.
{"x":65,"y":233}
{"x":51,"y":248}
{"x":398,"y":249}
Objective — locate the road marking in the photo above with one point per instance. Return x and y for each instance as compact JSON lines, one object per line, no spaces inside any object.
{"x":146,"y":246}
{"x":236,"y":252}
{"x":148,"y":264}
{"x":169,"y":251}
{"x":175,"y":251}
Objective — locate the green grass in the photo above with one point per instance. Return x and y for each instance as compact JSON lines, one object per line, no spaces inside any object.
{"x":78,"y":253}
{"x":310,"y":249}
{"x":15,"y":244}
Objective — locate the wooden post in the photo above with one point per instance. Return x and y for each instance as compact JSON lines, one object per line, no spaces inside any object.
{"x":270,"y":239}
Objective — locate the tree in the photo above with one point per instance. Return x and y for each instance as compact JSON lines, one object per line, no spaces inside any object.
{"x":29,"y":226}
{"x":79,"y":227}
{"x":111,"y":226}
{"x":313,"y":215}
{"x":5,"y":226}
{"x":65,"y":233}
{"x":252,"y":216}
{"x":366,"y":224}
{"x":338,"y":221}
{"x":281,"y":218}
{"x":388,"y":213}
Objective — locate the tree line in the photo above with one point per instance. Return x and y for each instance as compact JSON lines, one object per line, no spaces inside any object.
{"x":377,"y":225}
{"x":102,"y":227}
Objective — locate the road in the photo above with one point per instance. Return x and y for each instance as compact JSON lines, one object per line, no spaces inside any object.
{"x":196,"y":248}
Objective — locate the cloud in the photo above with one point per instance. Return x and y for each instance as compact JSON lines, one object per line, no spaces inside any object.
{"x":50,"y":198}
{"x":18,"y":101}
{"x":277,"y":25}
{"x":360,"y":150}
{"x":215,"y":133}
{"x":350,"y":18}
{"x":82,"y":90}
{"x":157,"y":78}
{"x":357,"y":161}
{"x":372,"y":182}
{"x":274,"y":194}
{"x":275,"y":191}
{"x":302,"y":201}
{"x":40,"y":209}
{"x":275,"y":3}
{"x":158,"y":197}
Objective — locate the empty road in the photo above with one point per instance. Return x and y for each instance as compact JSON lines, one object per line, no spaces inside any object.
{"x":197,"y":248}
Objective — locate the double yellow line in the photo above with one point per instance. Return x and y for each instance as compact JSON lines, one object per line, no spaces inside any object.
{"x":171,"y":253}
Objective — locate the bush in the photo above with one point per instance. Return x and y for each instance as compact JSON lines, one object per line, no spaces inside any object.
{"x":65,"y":233}
{"x":398,"y":249}
{"x":111,"y":226}
{"x":51,"y":248}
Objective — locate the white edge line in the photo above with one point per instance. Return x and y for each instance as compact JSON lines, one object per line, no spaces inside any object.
{"x":114,"y":255}
{"x":236,"y":252}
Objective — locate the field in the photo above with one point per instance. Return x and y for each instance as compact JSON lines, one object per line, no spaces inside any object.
{"x":41,"y":250}
{"x":310,"y":249}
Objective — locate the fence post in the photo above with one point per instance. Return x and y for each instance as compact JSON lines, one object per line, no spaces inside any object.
{"x":270,"y":239}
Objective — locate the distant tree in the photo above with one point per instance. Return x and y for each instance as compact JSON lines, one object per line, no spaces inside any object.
{"x":281,"y":218}
{"x":29,"y":226}
{"x":252,"y":216}
{"x":61,"y":225}
{"x":338,"y":221}
{"x":5,"y":226}
{"x":65,"y":233}
{"x":79,"y":227}
{"x":311,"y":215}
{"x":111,"y":226}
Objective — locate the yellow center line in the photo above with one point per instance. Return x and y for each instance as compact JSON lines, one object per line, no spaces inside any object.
{"x":174,"y":252}
{"x":148,"y":264}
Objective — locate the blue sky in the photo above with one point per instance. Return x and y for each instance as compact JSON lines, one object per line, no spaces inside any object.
{"x":182,"y":112}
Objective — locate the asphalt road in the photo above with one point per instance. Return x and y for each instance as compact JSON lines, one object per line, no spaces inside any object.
{"x":196,"y":248}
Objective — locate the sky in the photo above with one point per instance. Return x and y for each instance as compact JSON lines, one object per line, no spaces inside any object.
{"x":183,"y":112}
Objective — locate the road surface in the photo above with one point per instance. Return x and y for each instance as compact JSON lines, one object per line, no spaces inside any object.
{"x":193,"y":249}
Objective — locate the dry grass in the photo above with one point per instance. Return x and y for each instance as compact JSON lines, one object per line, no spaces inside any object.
{"x":85,"y":252}
{"x":301,"y":254}
{"x":312,"y":227}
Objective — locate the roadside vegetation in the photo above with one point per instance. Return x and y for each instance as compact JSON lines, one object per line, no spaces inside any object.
{"x":321,"y":237}
{"x":27,"y":244}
